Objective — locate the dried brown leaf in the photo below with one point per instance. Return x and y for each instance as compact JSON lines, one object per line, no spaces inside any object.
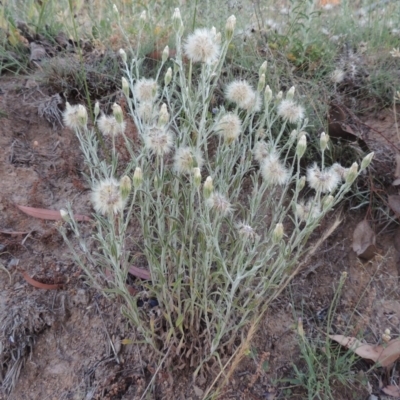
{"x":391,"y":390}
{"x":140,"y":273}
{"x":364,"y":240}
{"x":364,"y":350}
{"x":53,"y":215}
{"x":394,"y":204}
{"x":390,"y":353}
{"x":38,"y":284}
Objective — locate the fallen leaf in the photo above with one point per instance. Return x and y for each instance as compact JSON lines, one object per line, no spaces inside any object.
{"x":391,"y":390}
{"x":390,"y":353}
{"x":396,"y":182}
{"x":140,"y":273}
{"x":199,"y":392}
{"x":394,"y":204}
{"x":364,"y":350}
{"x":38,"y":284}
{"x":53,"y":215}
{"x":364,"y":240}
{"x":385,"y":356}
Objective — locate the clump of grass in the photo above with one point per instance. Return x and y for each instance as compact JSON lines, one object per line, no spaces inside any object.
{"x":215,"y":190}
{"x":325,"y":372}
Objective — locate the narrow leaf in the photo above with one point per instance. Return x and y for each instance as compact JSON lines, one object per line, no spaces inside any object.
{"x":364,"y":350}
{"x":140,"y":273}
{"x":390,"y":353}
{"x":392,"y":390}
{"x":38,"y":284}
{"x":394,"y":204}
{"x":53,"y":215}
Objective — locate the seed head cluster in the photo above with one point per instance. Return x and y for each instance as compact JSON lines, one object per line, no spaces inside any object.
{"x":322,"y":181}
{"x":229,"y":127}
{"x":273,"y":171}
{"x":145,"y":90}
{"x":187,"y":158}
{"x":159,"y":141}
{"x":109,"y":126}
{"x":290,"y":111}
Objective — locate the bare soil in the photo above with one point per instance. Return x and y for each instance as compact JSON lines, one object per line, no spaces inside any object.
{"x":62,"y":340}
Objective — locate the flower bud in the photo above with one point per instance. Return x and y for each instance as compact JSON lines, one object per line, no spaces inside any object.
{"x":323,"y":141}
{"x":165,"y":54}
{"x":386,"y":336}
{"x":125,"y":187}
{"x":327,"y":201}
{"x":230,"y":27}
{"x":267,"y":94}
{"x":277,"y":234}
{"x":367,"y":160}
{"x":117,"y":112}
{"x":125,"y":86}
{"x":301,"y":183}
{"x":82,"y":115}
{"x":352,"y":174}
{"x":196,"y":177}
{"x":143,"y":19}
{"x":177,"y":21}
{"x":168,"y":76}
{"x":301,"y":146}
{"x":137,"y":177}
{"x":261,"y":83}
{"x":290,"y":93}
{"x":163,"y":119}
{"x":96,"y":109}
{"x":279,"y":96}
{"x":123,"y":55}
{"x":208,"y":187}
{"x":115,"y":9}
{"x":263,"y":68}
{"x":300,"y":328}
{"x":64,"y":215}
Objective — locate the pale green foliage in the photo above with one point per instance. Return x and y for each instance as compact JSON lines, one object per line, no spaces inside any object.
{"x":218,"y":256}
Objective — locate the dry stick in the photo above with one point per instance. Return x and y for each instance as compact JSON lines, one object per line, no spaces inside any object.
{"x":238,"y":354}
{"x":108,"y":335}
{"x":155,"y":374}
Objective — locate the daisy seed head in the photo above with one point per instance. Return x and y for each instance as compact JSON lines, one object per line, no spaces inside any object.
{"x":273,"y":171}
{"x":229,"y":127}
{"x":290,"y":111}
{"x":106,"y":197}
{"x":109,"y":126}
{"x":310,"y":209}
{"x":145,"y":111}
{"x":322,"y":181}
{"x":246,"y":231}
{"x":261,"y":151}
{"x":145,"y":90}
{"x":75,"y":117}
{"x":187,"y":158}
{"x":219,"y":203}
{"x":159,"y":141}
{"x":201,"y":46}
{"x":241,"y":93}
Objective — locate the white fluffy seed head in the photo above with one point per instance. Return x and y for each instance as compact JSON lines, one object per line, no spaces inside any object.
{"x":219,"y":203}
{"x":261,"y":151}
{"x":309,"y":209}
{"x":202,"y":46}
{"x":322,"y":181}
{"x":187,"y":158}
{"x":337,"y":76}
{"x":159,"y":141}
{"x":246,"y":231}
{"x":273,"y":171}
{"x":289,"y":110}
{"x":75,"y":117}
{"x":241,"y":93}
{"x":109,"y":126}
{"x":229,"y":127}
{"x":145,"y":111}
{"x":106,"y":197}
{"x":145,"y":90}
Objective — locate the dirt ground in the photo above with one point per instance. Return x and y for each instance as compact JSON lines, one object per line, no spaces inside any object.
{"x":62,"y":340}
